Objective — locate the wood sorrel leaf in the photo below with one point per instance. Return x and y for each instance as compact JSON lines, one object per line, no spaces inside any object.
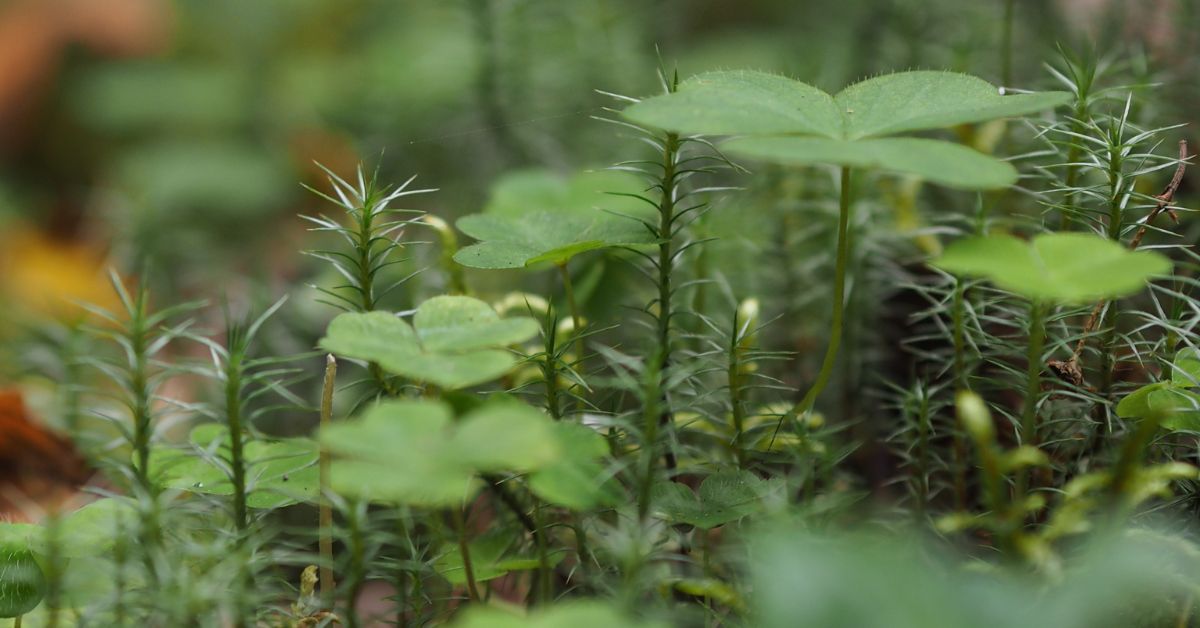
{"x":571,"y":614}
{"x":941,"y":162}
{"x":278,"y":473}
{"x":538,"y":216}
{"x":793,"y":123}
{"x":22,"y":583}
{"x":451,"y":345}
{"x":412,"y":452}
{"x":723,"y":497}
{"x":1055,"y":267}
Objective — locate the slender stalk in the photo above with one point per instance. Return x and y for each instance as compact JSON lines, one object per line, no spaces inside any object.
{"x":839,"y":299}
{"x":542,"y":588}
{"x":358,"y":567}
{"x":961,"y":382}
{"x":666,"y":262}
{"x":237,"y":441}
{"x":1006,"y":44}
{"x":569,"y":293}
{"x":734,"y":381}
{"x":464,"y":549}
{"x":1033,"y":372}
{"x":325,"y":514}
{"x":650,"y":417}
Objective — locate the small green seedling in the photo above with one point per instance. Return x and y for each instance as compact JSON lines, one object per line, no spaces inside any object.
{"x":1175,"y":401}
{"x":1055,"y":268}
{"x":789,"y":122}
{"x":454,"y":341}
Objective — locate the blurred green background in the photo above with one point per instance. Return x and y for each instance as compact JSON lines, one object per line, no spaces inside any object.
{"x":179,"y":132}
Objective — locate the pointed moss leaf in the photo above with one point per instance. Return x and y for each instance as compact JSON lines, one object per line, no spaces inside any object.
{"x":22,"y":583}
{"x":723,"y":497}
{"x":1185,"y":371}
{"x":1059,"y":267}
{"x":741,"y":102}
{"x":577,"y":480}
{"x":913,"y":101}
{"x":412,"y":452}
{"x":453,"y":323}
{"x":278,"y":473}
{"x":936,"y":161}
{"x":538,"y":216}
{"x":450,"y":346}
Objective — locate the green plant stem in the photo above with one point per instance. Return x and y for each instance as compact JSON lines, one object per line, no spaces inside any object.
{"x":139,"y":385}
{"x":464,"y":549}
{"x":237,"y":460}
{"x":357,"y":571}
{"x":839,"y":299}
{"x":924,"y":428}
{"x":666,"y":262}
{"x":651,"y":422}
{"x":542,"y":589}
{"x":573,"y":308}
{"x":734,"y":381}
{"x":1033,"y":373}
{"x":961,"y":382}
{"x":325,"y":513}
{"x":1006,"y":44}
{"x":1033,"y":387}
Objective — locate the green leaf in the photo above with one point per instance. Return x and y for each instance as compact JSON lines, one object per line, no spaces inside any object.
{"x":413,"y":452}
{"x":537,"y":216}
{"x":449,"y":346}
{"x":1136,"y":404}
{"x":490,"y":558}
{"x":1058,"y":267}
{"x":572,"y":614}
{"x":278,"y":473}
{"x":1178,"y":408}
{"x":1185,"y":371}
{"x":90,"y":530}
{"x":741,"y":102}
{"x":794,"y":123}
{"x":22,"y":583}
{"x":577,"y":480}
{"x":723,"y":497}
{"x":914,"y":101}
{"x":939,"y":162}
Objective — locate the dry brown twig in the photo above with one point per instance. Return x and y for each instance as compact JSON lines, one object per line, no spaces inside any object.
{"x":1070,"y":369}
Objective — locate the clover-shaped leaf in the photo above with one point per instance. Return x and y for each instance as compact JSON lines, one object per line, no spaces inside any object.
{"x":723,"y":497}
{"x":413,"y":452}
{"x":491,"y":558}
{"x":787,"y":121}
{"x":537,"y":216}
{"x":577,"y":480}
{"x":278,"y":472}
{"x":1175,"y":402}
{"x":452,"y":343}
{"x":1058,"y":267}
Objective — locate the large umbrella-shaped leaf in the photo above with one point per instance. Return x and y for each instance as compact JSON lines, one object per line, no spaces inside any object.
{"x":1055,"y":267}
{"x":453,"y":343}
{"x":790,"y":122}
{"x":413,"y":452}
{"x":22,"y":583}
{"x":537,"y":216}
